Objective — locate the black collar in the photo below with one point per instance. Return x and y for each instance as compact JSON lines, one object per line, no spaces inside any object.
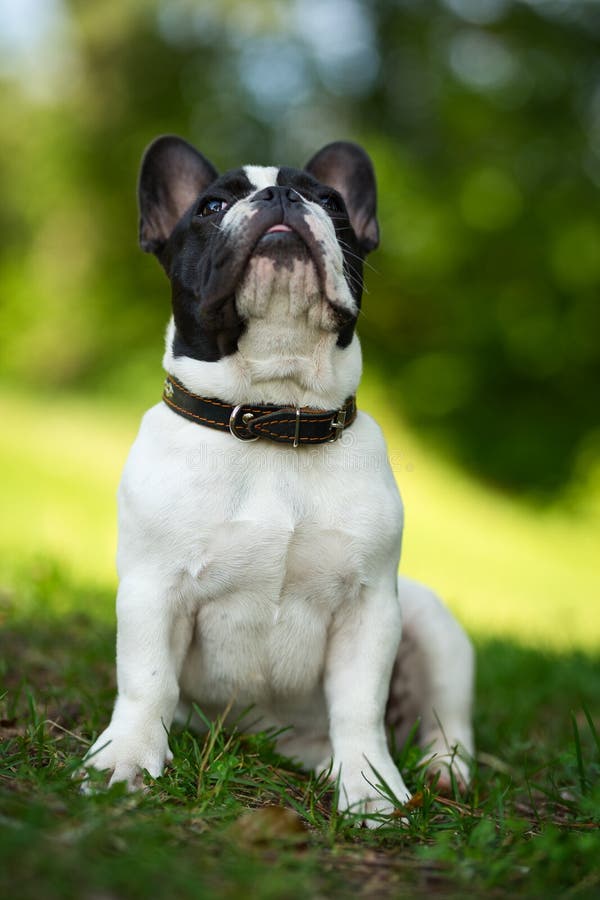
{"x":247,"y":422}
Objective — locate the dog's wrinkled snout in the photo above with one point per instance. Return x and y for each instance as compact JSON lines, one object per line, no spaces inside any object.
{"x":276,"y":195}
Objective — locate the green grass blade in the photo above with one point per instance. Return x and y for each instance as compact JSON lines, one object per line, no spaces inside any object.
{"x":579,"y":755}
{"x":593,"y":729}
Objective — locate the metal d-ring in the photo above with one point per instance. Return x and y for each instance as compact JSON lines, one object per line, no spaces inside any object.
{"x":247,"y":417}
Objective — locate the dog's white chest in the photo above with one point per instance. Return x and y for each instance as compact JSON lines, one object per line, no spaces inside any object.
{"x":266,"y":598}
{"x":263,"y":547}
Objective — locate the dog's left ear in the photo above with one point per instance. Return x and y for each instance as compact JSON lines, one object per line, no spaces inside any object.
{"x":347,"y":168}
{"x":172,"y":175}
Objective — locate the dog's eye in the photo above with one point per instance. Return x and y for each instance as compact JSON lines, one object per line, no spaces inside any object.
{"x":211,"y":207}
{"x":331,"y":203}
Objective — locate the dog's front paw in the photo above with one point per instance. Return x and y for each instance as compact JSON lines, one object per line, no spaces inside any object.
{"x":126,"y":755}
{"x":369,"y":787}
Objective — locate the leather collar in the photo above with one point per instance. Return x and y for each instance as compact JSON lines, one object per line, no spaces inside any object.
{"x":248,"y":422}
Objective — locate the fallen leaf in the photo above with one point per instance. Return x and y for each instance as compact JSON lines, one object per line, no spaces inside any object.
{"x":269,"y":824}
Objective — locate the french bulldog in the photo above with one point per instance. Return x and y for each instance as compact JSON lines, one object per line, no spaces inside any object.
{"x":259,"y":521}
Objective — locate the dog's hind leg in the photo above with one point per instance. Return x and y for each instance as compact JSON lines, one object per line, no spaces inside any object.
{"x":432,"y":682}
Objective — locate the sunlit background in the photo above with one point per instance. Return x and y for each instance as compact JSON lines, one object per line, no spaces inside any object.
{"x":481,"y":326}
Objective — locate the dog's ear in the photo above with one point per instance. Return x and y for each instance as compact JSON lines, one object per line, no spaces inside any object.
{"x":172,"y":175}
{"x":347,"y":168}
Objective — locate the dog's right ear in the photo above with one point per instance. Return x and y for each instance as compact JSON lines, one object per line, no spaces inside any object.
{"x":172,"y":175}
{"x":347,"y":168}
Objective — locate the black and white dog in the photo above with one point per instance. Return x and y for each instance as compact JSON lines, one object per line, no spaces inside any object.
{"x":260,"y":523}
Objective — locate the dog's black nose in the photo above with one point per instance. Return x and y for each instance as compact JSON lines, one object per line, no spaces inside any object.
{"x":276,"y":194}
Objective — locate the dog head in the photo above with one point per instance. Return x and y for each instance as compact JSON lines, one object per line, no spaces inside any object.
{"x":230,"y":243}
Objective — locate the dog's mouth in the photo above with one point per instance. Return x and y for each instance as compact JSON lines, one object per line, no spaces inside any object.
{"x":280,"y":239}
{"x":289,"y":240}
{"x":282,"y":243}
{"x":278,"y":229}
{"x":284,"y":240}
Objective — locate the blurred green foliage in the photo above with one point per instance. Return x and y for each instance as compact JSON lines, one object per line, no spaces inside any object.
{"x":483,"y":119}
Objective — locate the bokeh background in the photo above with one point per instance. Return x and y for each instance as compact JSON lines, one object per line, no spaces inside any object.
{"x":481,"y":326}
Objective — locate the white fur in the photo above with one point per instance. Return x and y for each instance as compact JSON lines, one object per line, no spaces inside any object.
{"x":258,"y":574}
{"x":261,"y":176}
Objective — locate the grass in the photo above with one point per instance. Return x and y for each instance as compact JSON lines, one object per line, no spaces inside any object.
{"x":231,"y":817}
